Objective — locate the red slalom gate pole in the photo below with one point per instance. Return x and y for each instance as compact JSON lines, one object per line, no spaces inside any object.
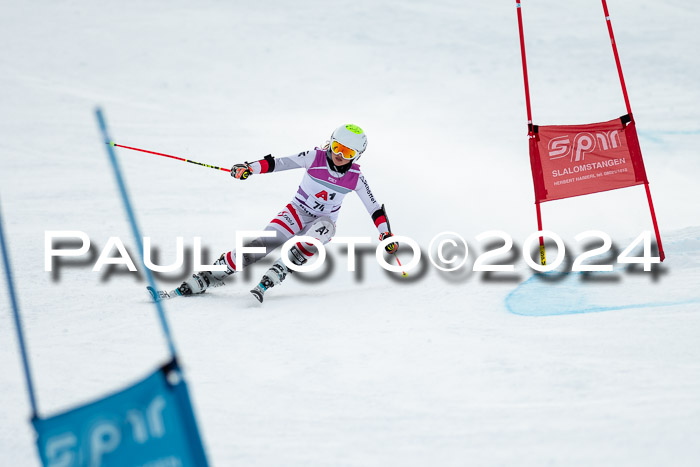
{"x":543,"y":258}
{"x":522,"y":54}
{"x":617,"y":57}
{"x":530,"y":128}
{"x":662,"y":255}
{"x":113,"y":144}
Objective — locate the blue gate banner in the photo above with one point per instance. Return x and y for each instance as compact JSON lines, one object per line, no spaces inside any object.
{"x":150,"y":424}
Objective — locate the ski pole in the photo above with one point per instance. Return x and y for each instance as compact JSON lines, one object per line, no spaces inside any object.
{"x":397,"y":260}
{"x":386,"y":217}
{"x":113,"y":144}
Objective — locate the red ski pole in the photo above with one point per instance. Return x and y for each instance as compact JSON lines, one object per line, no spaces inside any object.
{"x":399,"y":262}
{"x":386,"y":217}
{"x":113,"y":144}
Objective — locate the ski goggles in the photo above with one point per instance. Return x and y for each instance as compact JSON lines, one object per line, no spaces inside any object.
{"x":343,"y":150}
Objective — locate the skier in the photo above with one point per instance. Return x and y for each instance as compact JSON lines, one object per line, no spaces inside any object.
{"x":331,"y":173}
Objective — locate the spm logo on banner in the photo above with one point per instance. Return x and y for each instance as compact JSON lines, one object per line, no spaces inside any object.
{"x":583,"y":143}
{"x":149,"y":424}
{"x":582,"y":159}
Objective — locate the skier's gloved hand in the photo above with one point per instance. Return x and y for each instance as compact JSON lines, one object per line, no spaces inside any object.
{"x":391,"y":247}
{"x":241,"y":171}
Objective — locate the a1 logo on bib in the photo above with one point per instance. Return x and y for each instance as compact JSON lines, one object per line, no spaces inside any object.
{"x":324,"y":195}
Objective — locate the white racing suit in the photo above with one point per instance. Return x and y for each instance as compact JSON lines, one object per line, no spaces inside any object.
{"x":318,"y":198}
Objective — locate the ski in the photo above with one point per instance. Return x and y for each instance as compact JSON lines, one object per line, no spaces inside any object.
{"x":160,"y":295}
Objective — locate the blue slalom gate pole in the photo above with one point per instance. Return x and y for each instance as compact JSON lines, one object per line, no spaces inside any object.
{"x":134,"y":226}
{"x":18,"y":320}
{"x":151,"y":422}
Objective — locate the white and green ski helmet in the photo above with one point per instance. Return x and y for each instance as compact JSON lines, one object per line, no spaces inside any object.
{"x":351,"y":136}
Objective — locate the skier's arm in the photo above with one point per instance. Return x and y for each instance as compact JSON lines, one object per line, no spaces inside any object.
{"x":373,"y":207}
{"x":272,"y":164}
{"x":278,"y":164}
{"x":377,"y":212}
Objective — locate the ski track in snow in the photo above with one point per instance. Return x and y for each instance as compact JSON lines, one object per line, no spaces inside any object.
{"x":672,"y":284}
{"x":435,"y":370}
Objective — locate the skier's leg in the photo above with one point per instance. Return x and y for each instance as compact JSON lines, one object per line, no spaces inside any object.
{"x":199,"y":282}
{"x":285,"y":225}
{"x":321,"y":229}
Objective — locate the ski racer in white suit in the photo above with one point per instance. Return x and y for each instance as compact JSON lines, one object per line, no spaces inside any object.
{"x":331,"y":174}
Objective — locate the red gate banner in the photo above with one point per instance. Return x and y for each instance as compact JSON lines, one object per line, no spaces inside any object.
{"x":575,"y":160}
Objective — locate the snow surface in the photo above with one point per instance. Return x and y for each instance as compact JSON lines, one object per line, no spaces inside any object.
{"x":439,"y":369}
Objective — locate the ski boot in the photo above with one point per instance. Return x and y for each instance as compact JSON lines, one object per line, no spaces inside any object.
{"x":277,"y":273}
{"x":199,"y":282}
